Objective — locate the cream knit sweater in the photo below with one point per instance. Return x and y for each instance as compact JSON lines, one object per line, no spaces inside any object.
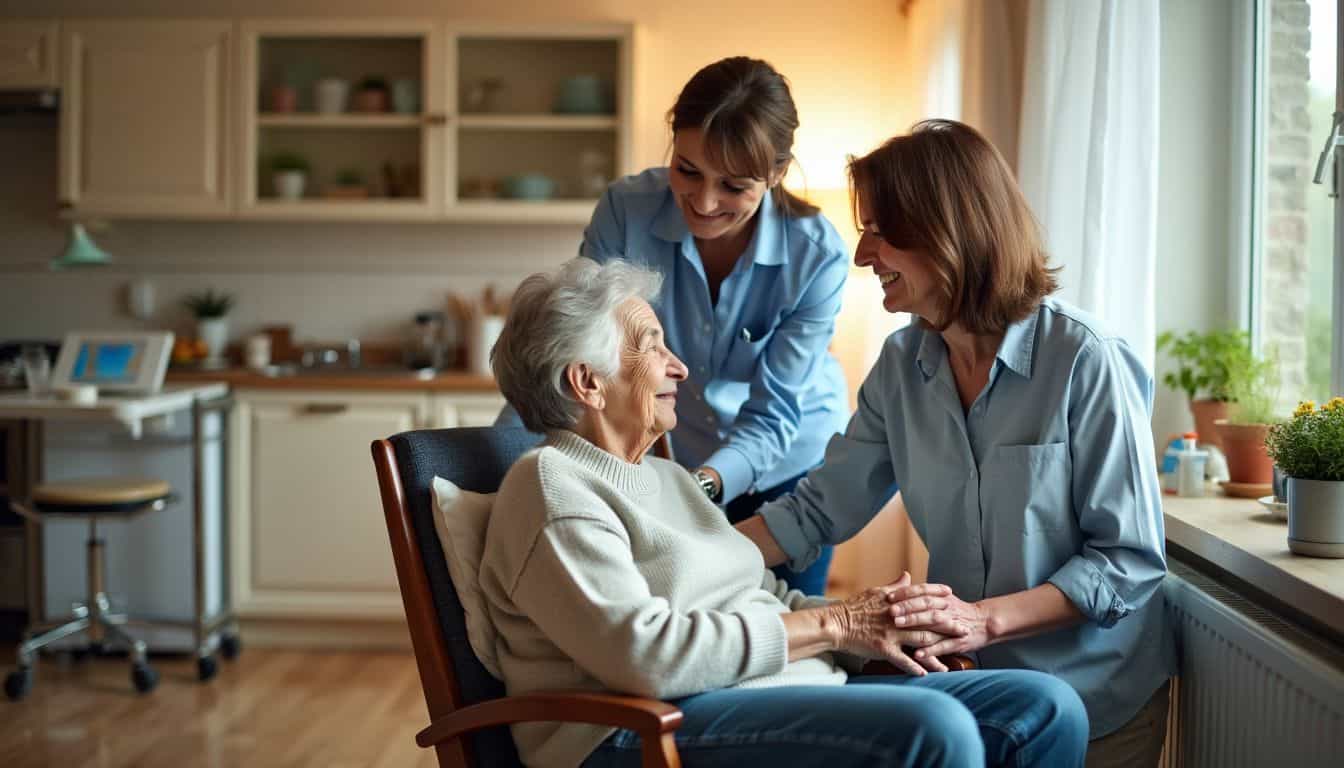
{"x":606,"y":575}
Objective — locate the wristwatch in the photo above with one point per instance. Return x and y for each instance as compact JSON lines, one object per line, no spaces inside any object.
{"x":707,"y":484}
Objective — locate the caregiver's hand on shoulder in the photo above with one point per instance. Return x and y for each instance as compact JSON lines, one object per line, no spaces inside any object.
{"x":865,"y":627}
{"x":934,"y":608}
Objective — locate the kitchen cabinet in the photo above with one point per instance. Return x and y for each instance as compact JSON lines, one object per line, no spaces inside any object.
{"x":478,"y":122}
{"x":309,"y":540}
{"x":308,"y":531}
{"x":466,"y":410}
{"x":145,"y":118}
{"x":28,"y":54}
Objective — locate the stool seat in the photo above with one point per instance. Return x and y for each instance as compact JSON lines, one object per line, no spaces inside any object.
{"x":105,"y":495}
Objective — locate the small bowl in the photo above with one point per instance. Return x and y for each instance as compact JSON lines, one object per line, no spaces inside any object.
{"x":529,"y":186}
{"x":1278,"y":509}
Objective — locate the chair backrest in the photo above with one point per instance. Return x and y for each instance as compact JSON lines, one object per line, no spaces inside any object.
{"x":475,"y":459}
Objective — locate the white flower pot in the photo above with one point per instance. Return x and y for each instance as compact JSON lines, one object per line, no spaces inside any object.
{"x":289,"y":184}
{"x":330,"y":95}
{"x":1316,"y":517}
{"x":214,"y":331}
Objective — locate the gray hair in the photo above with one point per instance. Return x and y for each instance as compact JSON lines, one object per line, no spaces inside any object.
{"x":561,"y":318}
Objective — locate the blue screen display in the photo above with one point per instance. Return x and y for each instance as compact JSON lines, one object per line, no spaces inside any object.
{"x":106,"y":362}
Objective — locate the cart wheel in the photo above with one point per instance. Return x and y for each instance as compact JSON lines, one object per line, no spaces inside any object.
{"x":144,"y":677}
{"x":206,"y":667}
{"x":18,"y":683}
{"x":230,"y":645}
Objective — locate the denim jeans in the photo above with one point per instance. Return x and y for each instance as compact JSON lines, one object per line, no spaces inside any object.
{"x":996,"y":717}
{"x":812,"y":579}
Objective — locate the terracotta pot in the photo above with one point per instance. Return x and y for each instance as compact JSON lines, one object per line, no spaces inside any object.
{"x":1244,"y":446}
{"x":1206,"y":412}
{"x":284,"y":99}
{"x":370,"y":100}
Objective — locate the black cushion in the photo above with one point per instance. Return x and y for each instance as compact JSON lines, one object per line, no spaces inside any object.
{"x":475,"y":459}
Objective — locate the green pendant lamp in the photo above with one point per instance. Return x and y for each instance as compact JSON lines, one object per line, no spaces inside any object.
{"x":80,"y":251}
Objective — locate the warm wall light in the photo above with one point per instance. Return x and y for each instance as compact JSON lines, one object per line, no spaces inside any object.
{"x":80,"y":251}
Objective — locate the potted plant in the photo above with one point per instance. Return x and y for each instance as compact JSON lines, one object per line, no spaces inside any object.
{"x":1205,"y":362}
{"x":1252,"y":387}
{"x":211,"y":309}
{"x":1309,"y":449}
{"x":372,"y":95}
{"x":349,"y":184}
{"x":289,"y":175}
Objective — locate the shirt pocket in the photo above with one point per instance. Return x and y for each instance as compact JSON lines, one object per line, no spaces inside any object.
{"x":745,"y":353}
{"x":1028,"y":487}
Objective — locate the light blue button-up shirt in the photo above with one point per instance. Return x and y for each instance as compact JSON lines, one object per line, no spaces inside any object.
{"x":1049,"y":477}
{"x":764,"y":395}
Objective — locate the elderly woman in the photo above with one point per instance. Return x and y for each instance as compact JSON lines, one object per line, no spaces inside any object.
{"x":1017,"y":430}
{"x":605,"y":569}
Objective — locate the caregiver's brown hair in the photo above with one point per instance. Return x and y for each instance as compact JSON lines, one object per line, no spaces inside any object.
{"x":944,"y":191}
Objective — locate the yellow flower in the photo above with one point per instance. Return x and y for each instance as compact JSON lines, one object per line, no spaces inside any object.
{"x":1305,"y":408}
{"x":1335,"y":404}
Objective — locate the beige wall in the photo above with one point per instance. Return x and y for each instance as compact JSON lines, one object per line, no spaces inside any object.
{"x":334,"y":280}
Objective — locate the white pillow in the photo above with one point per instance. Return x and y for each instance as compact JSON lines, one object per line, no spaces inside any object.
{"x":460,"y":521}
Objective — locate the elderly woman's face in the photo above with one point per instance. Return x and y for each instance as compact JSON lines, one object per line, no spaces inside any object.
{"x":642,"y":398}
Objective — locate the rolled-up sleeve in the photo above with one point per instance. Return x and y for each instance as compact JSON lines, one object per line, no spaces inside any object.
{"x":836,"y":500}
{"x":1117,"y":498}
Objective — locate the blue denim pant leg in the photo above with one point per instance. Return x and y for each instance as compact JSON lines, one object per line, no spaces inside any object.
{"x":1000,"y":717}
{"x":812,"y":579}
{"x":842,"y":726}
{"x":1024,"y":717}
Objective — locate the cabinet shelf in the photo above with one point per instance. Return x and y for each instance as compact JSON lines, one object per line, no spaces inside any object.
{"x":299,"y":120}
{"x":541,"y":122}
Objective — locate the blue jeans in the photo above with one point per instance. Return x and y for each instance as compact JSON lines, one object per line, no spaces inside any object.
{"x":812,"y":579}
{"x":1009,"y":717}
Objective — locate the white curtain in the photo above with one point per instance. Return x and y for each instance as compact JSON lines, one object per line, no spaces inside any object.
{"x":1088,"y":154}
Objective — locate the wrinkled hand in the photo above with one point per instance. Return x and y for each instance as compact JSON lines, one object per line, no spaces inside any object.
{"x":867,"y":628}
{"x":950,"y":624}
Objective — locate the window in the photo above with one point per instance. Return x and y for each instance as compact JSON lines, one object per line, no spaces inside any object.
{"x":1297,"y":284}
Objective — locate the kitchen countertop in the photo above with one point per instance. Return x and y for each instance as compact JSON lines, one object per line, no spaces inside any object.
{"x":1242,"y":538}
{"x":381,"y":379}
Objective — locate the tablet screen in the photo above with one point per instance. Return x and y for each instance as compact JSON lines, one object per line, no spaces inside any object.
{"x":107,"y":362}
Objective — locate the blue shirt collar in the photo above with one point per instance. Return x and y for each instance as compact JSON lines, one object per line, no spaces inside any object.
{"x":768,"y":243}
{"x":1015,"y":351}
{"x":1019,"y":343}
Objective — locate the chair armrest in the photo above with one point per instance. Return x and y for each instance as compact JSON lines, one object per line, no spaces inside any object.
{"x":652,"y":719}
{"x":954,"y":663}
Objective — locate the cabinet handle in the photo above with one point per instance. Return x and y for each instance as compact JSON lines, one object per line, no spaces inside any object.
{"x":435,"y":118}
{"x":324,"y":408}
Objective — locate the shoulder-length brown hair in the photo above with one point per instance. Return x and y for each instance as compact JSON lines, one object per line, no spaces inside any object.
{"x":944,"y":191}
{"x":747,"y":115}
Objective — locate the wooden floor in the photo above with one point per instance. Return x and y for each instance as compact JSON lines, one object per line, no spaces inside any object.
{"x":267,"y":708}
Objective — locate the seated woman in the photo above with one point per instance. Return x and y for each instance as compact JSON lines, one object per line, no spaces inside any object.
{"x":605,"y":569}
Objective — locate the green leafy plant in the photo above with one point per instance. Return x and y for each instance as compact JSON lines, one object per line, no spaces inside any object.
{"x":1206,"y":362}
{"x":289,"y":161}
{"x":1254,"y":388}
{"x":1310,"y":445}
{"x":208,"y":304}
{"x":349,"y":177}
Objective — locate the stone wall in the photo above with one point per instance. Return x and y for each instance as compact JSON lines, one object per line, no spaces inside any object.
{"x":1288,"y":166}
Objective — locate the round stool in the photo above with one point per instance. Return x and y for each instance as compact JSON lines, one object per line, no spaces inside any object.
{"x":90,"y":499}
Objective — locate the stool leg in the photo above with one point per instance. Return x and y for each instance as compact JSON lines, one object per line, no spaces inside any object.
{"x":29,"y":648}
{"x":93,"y":571}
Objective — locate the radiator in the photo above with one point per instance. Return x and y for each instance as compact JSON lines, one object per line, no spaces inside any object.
{"x":1253,"y":690}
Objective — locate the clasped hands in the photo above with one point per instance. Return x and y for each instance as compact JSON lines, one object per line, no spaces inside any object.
{"x":910,"y":625}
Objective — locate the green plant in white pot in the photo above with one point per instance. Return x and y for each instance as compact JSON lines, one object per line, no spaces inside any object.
{"x":211,"y":310}
{"x":1309,"y":449}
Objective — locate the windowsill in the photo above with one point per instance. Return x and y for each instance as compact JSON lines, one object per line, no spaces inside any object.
{"x":1241,"y":537}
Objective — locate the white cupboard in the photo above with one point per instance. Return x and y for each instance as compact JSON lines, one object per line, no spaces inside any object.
{"x":308,"y":537}
{"x":145,"y":118}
